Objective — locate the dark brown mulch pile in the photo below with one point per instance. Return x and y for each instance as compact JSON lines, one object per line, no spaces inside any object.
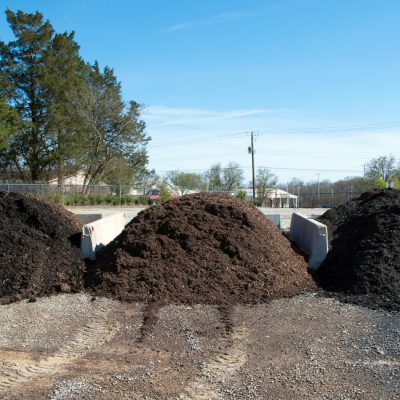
{"x":363,"y":264}
{"x":201,"y":248}
{"x":39,"y":249}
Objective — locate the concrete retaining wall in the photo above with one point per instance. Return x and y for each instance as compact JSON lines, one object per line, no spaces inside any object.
{"x":88,"y":218}
{"x":99,"y":233}
{"x":275,"y":219}
{"x":311,"y":236}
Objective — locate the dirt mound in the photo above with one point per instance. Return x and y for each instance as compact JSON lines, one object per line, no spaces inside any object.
{"x":201,"y":248}
{"x":39,"y":249}
{"x":364,"y":258}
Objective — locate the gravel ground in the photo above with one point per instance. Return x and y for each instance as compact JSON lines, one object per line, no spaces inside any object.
{"x":306,"y":347}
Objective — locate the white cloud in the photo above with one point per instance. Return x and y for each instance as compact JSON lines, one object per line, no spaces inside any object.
{"x":158,"y":116}
{"x":212,"y":20}
{"x":194,"y":139}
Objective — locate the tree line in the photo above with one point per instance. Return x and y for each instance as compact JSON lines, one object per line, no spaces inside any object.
{"x":380,"y":172}
{"x":60,"y":114}
{"x":218,"y":178}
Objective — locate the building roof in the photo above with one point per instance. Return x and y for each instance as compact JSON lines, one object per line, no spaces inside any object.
{"x":273,"y":193}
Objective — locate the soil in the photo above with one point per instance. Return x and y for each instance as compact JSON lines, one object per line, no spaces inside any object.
{"x":201,"y":248}
{"x":363,"y":264}
{"x":39,"y":249}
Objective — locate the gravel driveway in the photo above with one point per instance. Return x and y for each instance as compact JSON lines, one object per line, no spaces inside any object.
{"x":306,"y":347}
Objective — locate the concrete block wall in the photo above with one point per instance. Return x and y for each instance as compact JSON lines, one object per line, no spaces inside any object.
{"x":98,"y":234}
{"x":311,"y":236}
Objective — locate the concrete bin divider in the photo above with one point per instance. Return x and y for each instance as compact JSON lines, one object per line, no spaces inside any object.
{"x":88,"y":218}
{"x":311,"y":236}
{"x":99,"y":233}
{"x":275,"y":219}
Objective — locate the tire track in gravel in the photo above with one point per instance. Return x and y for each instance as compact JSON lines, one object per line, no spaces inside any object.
{"x":149,"y":321}
{"x":101,"y":328}
{"x":217,"y":370}
{"x":225,"y":315}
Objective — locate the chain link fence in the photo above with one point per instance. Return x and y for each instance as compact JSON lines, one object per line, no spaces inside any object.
{"x":78,"y":194}
{"x":325,"y":199}
{"x":126,"y":195}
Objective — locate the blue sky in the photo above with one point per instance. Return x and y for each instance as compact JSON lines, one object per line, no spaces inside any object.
{"x":317,"y":79}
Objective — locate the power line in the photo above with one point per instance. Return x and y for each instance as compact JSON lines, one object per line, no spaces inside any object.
{"x":316,"y":170}
{"x":297,"y":154}
{"x":312,"y":169}
{"x":286,"y":131}
{"x":332,"y":128}
{"x":251,"y":150}
{"x":198,"y":139}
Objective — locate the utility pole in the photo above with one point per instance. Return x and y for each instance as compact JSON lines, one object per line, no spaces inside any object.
{"x":251,"y":150}
{"x":318,"y":186}
{"x":298,"y":197}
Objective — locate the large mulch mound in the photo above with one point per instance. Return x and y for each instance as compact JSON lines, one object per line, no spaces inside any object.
{"x":39,"y":249}
{"x":363,"y":263}
{"x":201,"y":248}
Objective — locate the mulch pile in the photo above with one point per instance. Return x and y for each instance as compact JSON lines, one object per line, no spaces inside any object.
{"x":39,"y":249}
{"x":363,"y":264}
{"x":201,"y":248}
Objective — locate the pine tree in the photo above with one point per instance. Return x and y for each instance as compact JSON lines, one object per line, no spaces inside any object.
{"x":64,"y":80}
{"x":22,"y":71}
{"x":8,"y":123}
{"x":41,"y":74}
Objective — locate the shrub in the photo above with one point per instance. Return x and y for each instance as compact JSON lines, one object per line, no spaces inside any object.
{"x":108,"y":199}
{"x":56,"y":198}
{"x":142,"y":200}
{"x":241,"y":195}
{"x":165,"y":194}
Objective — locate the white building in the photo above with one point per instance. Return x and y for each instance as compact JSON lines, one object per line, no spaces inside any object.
{"x":276,"y":197}
{"x":75,"y":179}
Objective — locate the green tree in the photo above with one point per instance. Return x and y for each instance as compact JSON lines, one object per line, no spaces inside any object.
{"x":111,"y":129}
{"x":165,"y":193}
{"x":64,"y":80}
{"x":184,"y":182}
{"x":8,"y":123}
{"x":22,"y":71}
{"x":41,"y":74}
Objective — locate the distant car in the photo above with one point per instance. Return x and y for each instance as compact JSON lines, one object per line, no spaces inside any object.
{"x":154,"y":196}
